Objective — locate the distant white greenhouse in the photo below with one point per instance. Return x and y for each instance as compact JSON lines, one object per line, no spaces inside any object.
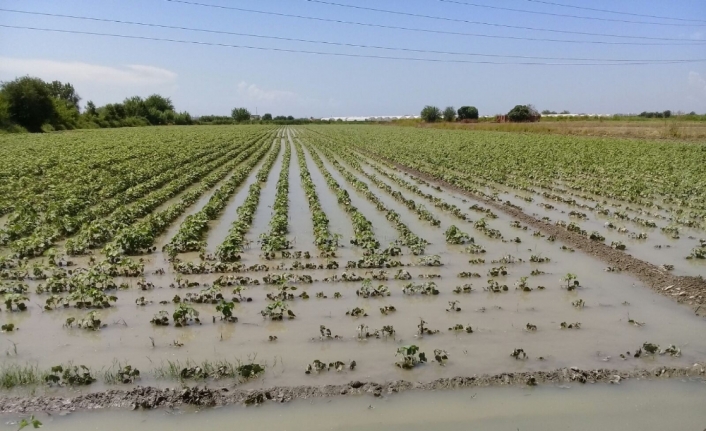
{"x":372,"y":118}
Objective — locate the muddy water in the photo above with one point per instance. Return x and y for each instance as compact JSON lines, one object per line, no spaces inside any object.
{"x":264,"y":211}
{"x":339,"y":222}
{"x":301,"y":227}
{"x":659,"y":248}
{"x":384,"y":231}
{"x":633,"y":406}
{"x":422,"y":228}
{"x":218,"y":229}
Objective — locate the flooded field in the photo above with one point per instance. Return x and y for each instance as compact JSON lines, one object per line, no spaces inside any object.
{"x":311,"y":261}
{"x":631,"y":407}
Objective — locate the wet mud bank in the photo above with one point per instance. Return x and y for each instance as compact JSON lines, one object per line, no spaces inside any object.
{"x":152,"y":398}
{"x":690,"y":291}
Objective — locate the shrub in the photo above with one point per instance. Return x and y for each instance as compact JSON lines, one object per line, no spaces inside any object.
{"x":467,"y":113}
{"x":431,"y":114}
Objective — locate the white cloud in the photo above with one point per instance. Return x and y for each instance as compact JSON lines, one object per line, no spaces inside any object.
{"x":78,"y":72}
{"x":254,"y":93}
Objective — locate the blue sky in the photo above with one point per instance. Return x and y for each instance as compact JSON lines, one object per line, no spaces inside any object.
{"x":213,"y":80}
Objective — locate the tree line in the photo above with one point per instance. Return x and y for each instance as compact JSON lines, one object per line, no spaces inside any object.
{"x":432,"y":114}
{"x":33,"y":105}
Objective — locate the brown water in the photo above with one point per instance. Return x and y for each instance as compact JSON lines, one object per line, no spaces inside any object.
{"x":632,"y":406}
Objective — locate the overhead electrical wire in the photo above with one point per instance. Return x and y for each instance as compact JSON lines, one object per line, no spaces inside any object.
{"x":490,"y":24}
{"x":561,"y":15}
{"x":615,"y":12}
{"x":323,"y":53}
{"x":422,"y":30}
{"x":352,"y":45}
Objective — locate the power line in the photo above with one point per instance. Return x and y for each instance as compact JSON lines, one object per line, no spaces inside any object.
{"x":615,"y":12}
{"x":464,"y":21}
{"x":463,"y":3}
{"x":414,"y":29}
{"x":353,"y":45}
{"x":335,"y":54}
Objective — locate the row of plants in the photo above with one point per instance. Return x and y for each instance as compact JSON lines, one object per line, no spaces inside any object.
{"x":68,"y":212}
{"x":495,"y":162}
{"x":61,"y":214}
{"x":234,"y":242}
{"x":326,"y":242}
{"x":141,"y":236}
{"x":408,"y":238}
{"x":422,"y":212}
{"x":363,"y":235}
{"x":100,"y":232}
{"x":276,"y":238}
{"x":191,"y":232}
{"x":438,"y":202}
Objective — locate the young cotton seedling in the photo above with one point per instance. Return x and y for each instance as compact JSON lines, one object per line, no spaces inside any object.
{"x":387,"y":309}
{"x":226,"y":310}
{"x":460,"y":328}
{"x":466,"y":288}
{"x":519,"y":354}
{"x":453,"y":306}
{"x":410,"y":357}
{"x":571,"y":280}
{"x":441,"y":356}
{"x":277,"y":310}
{"x":423,"y":330}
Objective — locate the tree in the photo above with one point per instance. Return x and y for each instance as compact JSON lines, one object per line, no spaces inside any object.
{"x":160,"y":103}
{"x":522,"y":113}
{"x":91,"y":110}
{"x":65,"y":93}
{"x":30,"y":103}
{"x":467,"y":113}
{"x":267,"y":117}
{"x":667,"y":113}
{"x":290,"y":118}
{"x":430,"y":114}
{"x":240,"y":114}
{"x":449,"y":114}
{"x":135,"y":107}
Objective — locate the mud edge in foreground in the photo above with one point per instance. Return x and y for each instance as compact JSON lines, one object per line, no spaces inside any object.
{"x":151,"y":398}
{"x":685,"y":290}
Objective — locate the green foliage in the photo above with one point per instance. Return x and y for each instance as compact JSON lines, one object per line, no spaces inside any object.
{"x":467,"y":113}
{"x":240,"y":114}
{"x":32,"y":421}
{"x":267,"y":117}
{"x":522,"y":113}
{"x":430,"y":114}
{"x":410,"y":357}
{"x":30,"y":102}
{"x":37,"y":106}
{"x":72,"y":375}
{"x":449,"y":114}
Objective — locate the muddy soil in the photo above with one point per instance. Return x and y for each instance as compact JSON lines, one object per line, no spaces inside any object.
{"x":151,"y":398}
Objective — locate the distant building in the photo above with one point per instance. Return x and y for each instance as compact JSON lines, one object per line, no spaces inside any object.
{"x":255,"y":117}
{"x":382,"y":118}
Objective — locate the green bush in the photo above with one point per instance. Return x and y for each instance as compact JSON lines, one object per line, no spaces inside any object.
{"x":431,"y":114}
{"x":467,"y":113}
